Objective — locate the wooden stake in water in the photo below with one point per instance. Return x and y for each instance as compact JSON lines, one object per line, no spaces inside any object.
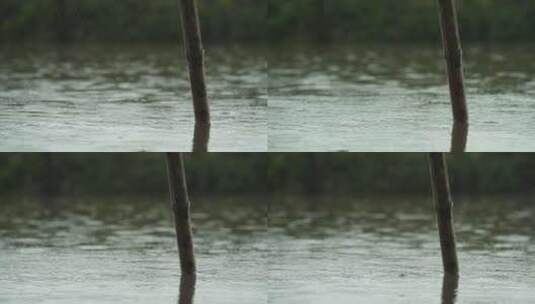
{"x":187,"y":289}
{"x":193,"y":48}
{"x":201,"y":137}
{"x":453,"y":53}
{"x":180,"y":205}
{"x":450,"y":284}
{"x":459,"y":136}
{"x":443,"y":208}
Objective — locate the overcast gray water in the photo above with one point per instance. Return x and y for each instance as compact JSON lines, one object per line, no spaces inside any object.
{"x":127,"y":98}
{"x":395,"y":98}
{"x":351,"y":250}
{"x":283,"y":98}
{"x":123,"y":250}
{"x":306,"y":250}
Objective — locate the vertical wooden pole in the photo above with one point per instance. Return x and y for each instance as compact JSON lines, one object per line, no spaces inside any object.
{"x":187,"y":290}
{"x":443,"y":209}
{"x":453,"y":54}
{"x":178,"y":194}
{"x":193,"y":48}
{"x":459,"y":137}
{"x":201,"y":137}
{"x":450,"y":284}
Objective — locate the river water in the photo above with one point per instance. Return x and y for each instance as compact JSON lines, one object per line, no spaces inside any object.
{"x":281,"y":98}
{"x":123,"y":250}
{"x":395,"y":98}
{"x":127,"y":98}
{"x":254,"y":250}
{"x":386,"y":250}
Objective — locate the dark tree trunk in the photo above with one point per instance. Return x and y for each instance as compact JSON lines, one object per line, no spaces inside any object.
{"x":180,"y":205}
{"x":459,"y":137}
{"x":450,"y":285}
{"x":187,"y":290}
{"x":443,"y":209}
{"x":195,"y":56}
{"x":201,"y":137}
{"x":453,"y":54}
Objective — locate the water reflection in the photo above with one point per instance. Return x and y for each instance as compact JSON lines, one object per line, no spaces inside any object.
{"x":450,"y":284}
{"x":201,"y":137}
{"x":459,"y":136}
{"x":187,"y":289}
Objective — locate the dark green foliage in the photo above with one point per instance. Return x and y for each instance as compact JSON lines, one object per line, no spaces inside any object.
{"x":212,"y":174}
{"x":400,"y":21}
{"x":384,"y":173}
{"x":126,"y":173}
{"x":239,"y":20}
{"x":126,"y":20}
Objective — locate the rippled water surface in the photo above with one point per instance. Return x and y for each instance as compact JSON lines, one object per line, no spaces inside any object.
{"x":127,"y":98}
{"x":306,"y":250}
{"x":387,"y":251}
{"x":395,"y":98}
{"x":102,"y":250}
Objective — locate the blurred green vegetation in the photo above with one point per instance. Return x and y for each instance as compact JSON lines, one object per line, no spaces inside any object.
{"x":126,"y":20}
{"x":261,"y":173}
{"x":126,"y":173}
{"x":398,"y":21}
{"x":398,"y":173}
{"x":258,"y":20}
